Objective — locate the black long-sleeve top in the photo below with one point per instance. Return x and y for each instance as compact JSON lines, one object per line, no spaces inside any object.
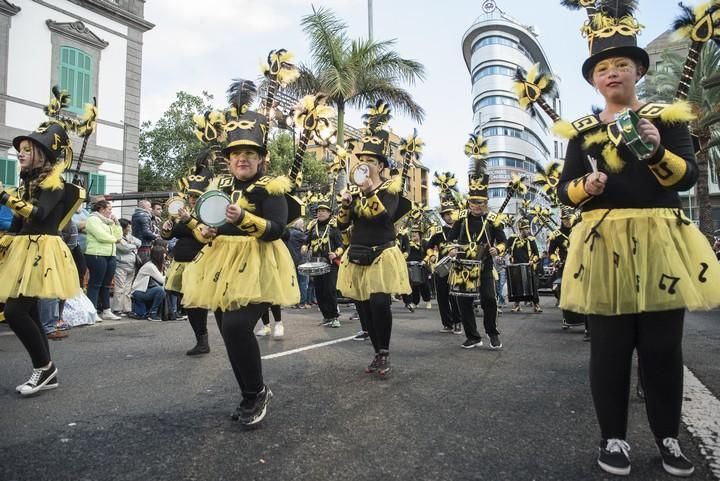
{"x":187,"y":245}
{"x":371,"y":216}
{"x":39,"y":213}
{"x":415,"y":251}
{"x":491,"y":235}
{"x":640,"y":184}
{"x":264,"y":207}
{"x":560,"y":243}
{"x":323,"y":237}
{"x":522,"y":250}
{"x":440,"y":240}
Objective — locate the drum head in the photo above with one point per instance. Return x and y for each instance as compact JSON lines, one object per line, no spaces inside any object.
{"x":360,"y":174}
{"x":174,"y":205}
{"x":211,"y":207}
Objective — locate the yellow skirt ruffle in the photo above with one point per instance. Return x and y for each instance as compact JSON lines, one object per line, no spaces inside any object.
{"x":234,"y":271}
{"x":37,"y":266}
{"x":387,"y":274}
{"x":174,"y":276}
{"x":643,"y":261}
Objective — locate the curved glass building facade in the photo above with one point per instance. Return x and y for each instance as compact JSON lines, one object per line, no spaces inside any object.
{"x":519,"y":140}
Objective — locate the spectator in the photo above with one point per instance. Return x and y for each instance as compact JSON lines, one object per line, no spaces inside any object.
{"x":148,"y":287}
{"x":295,"y":240}
{"x":142,"y":228}
{"x":103,"y":233}
{"x":125,"y":270}
{"x":79,"y":218}
{"x":500,"y":264}
{"x":6,"y":216}
{"x":49,"y":312}
{"x":156,"y":209}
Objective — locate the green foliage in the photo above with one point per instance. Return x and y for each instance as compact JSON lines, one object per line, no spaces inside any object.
{"x":168,"y":146}
{"x":281,"y":150}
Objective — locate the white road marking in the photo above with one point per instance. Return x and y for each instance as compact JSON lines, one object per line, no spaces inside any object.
{"x":700,"y":415}
{"x":306,"y":348}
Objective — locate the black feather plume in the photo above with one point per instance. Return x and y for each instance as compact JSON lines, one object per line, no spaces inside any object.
{"x":685,"y":19}
{"x":241,"y":94}
{"x":618,"y":8}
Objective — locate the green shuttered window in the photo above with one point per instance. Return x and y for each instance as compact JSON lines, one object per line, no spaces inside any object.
{"x":76,"y":77}
{"x":8,"y":171}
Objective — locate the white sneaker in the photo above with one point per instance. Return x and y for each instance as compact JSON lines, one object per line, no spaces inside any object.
{"x":263,"y":331}
{"x":108,"y":315}
{"x":428,"y":305}
{"x":98,"y":318}
{"x":279,"y":330}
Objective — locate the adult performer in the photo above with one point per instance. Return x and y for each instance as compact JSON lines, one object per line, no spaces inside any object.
{"x":373,"y":268}
{"x":246,"y":268}
{"x":523,"y":250}
{"x":187,"y":230}
{"x":635,"y":262}
{"x":35,"y":262}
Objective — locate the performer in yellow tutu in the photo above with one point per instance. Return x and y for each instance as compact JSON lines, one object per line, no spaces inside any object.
{"x":34,"y":261}
{"x":189,"y":242}
{"x":245,"y":268}
{"x":635,"y":262}
{"x":373,"y":268}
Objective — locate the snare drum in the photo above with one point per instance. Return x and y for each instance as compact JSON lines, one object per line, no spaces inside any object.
{"x":317,"y":266}
{"x":173,"y":206}
{"x":416,"y":273}
{"x":464,"y":278}
{"x":442,"y":268}
{"x":210,"y":207}
{"x":521,"y":282}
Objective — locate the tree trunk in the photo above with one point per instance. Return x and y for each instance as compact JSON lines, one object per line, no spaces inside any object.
{"x":701,"y":188}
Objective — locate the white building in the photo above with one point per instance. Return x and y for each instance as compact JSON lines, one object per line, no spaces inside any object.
{"x":91,"y":48}
{"x":494,"y":47}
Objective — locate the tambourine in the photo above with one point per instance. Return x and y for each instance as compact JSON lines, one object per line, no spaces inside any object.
{"x":359,"y":174}
{"x":626,"y":123}
{"x":210,"y":207}
{"x":173,"y":206}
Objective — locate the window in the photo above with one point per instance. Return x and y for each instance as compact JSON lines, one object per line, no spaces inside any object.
{"x":8,"y":170}
{"x":493,"y":70}
{"x":94,"y":183}
{"x":97,"y":184}
{"x":498,"y":40}
{"x":76,"y":77}
{"x":495,"y":100}
{"x":527,"y":165}
{"x":526,"y":135}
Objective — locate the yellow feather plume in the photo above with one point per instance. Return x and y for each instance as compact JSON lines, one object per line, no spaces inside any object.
{"x":395,"y":185}
{"x":679,"y":111}
{"x":612,"y":158}
{"x":54,"y":180}
{"x":599,"y":137}
{"x":279,"y":185}
{"x":564,"y":129}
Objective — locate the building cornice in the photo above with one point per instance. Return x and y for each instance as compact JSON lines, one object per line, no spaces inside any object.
{"x":78,"y":31}
{"x":8,"y":9}
{"x":109,"y":9}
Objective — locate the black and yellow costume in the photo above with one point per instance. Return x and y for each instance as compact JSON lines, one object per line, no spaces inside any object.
{"x":417,"y":252}
{"x":524,"y":250}
{"x":35,"y":262}
{"x":323,"y":238}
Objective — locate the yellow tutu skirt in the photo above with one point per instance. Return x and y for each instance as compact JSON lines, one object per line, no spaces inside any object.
{"x":174,"y":276}
{"x":37,"y":266}
{"x":643,"y":260}
{"x":234,"y":271}
{"x":389,"y":274}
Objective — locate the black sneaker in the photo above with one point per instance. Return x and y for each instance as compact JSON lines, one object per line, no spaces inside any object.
{"x":614,"y":457}
{"x":673,"y":460}
{"x":373,"y":366}
{"x":245,"y":405}
{"x":495,"y":342}
{"x":383,"y":364}
{"x":361,"y":336}
{"x":470,"y":343}
{"x":446,"y":329}
{"x":457,"y":329}
{"x":409,"y":307}
{"x":40,"y":380}
{"x":257,"y":408}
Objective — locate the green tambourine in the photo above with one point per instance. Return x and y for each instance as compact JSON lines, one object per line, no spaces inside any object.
{"x":626,"y":123}
{"x":210,"y":207}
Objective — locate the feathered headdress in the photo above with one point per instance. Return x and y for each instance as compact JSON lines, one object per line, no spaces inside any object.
{"x":376,"y":141}
{"x":240,"y":95}
{"x":531,"y":86}
{"x":476,"y":149}
{"x":377,"y":116}
{"x":447,"y":184}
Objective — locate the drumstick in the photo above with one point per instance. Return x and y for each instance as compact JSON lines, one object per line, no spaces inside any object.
{"x":593,"y":164}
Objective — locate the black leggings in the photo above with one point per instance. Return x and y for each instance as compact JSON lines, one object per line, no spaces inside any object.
{"x":377,"y":317}
{"x":242,"y":347}
{"x":657,"y":336}
{"x":198,"y":320}
{"x":276,"y":312}
{"x":22,"y":317}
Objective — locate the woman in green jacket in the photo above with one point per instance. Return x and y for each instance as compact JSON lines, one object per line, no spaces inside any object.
{"x":103,"y":233}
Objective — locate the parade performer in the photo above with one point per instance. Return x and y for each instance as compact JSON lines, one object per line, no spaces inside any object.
{"x":440,"y":241}
{"x":635,"y":262}
{"x":373,"y":268}
{"x":324,"y":243}
{"x":247,"y":267}
{"x":34,"y":261}
{"x":416,"y":251}
{"x":523,"y":250}
{"x":187,"y":229}
{"x":482,"y":240}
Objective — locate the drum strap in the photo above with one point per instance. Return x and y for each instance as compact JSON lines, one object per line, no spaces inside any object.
{"x":471,"y":250}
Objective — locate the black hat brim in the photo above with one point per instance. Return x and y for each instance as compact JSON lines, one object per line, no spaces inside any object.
{"x":636,"y":53}
{"x":237,"y":145}
{"x":380,"y":158}
{"x":49,"y":156}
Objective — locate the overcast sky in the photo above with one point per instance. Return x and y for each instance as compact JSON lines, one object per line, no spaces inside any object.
{"x":198,"y":46}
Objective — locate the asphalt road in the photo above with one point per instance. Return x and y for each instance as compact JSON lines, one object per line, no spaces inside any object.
{"x":132,"y":406}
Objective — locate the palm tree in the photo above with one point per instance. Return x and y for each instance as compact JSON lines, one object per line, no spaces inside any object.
{"x":355,"y":72}
{"x":704,"y":95}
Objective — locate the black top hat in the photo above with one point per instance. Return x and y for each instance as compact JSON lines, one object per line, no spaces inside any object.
{"x":376,"y":141}
{"x":323,"y":201}
{"x":612,"y":32}
{"x":523,"y":224}
{"x":447,"y":183}
{"x":478,"y":187}
{"x":51,"y":138}
{"x":476,"y":149}
{"x":249,"y":129}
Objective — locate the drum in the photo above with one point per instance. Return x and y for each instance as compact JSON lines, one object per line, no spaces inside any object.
{"x":359,"y":174}
{"x":210,"y":207}
{"x":173,"y":205}
{"x":464,"y":278}
{"x":626,"y":123}
{"x":416,"y":273}
{"x":442,"y":268}
{"x":521,"y":282}
{"x":317,"y":266}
